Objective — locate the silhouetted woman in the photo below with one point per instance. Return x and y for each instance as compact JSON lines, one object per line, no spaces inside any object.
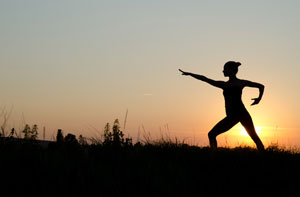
{"x":235,"y":109}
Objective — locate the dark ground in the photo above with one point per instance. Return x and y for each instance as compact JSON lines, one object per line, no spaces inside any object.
{"x":146,"y":170}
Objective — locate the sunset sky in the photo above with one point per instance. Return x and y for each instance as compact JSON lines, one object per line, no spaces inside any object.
{"x":76,"y":65}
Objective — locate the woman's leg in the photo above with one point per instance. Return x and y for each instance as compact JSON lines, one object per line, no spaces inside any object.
{"x":223,"y":126}
{"x":247,"y":122}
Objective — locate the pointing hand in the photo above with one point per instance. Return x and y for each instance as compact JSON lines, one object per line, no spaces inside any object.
{"x":183,"y":73}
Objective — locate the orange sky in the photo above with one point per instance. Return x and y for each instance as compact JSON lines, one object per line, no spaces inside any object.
{"x":77,"y":65}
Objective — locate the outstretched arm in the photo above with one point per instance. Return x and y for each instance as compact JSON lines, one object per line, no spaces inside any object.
{"x":256,"y":85}
{"x":219,"y":84}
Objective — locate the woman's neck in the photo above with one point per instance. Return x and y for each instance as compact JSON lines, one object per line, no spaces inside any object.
{"x":232,"y":78}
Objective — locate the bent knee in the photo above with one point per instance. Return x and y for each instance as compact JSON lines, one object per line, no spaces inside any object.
{"x":211,"y":135}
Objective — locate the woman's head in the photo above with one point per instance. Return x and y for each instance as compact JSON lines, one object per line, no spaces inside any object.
{"x":231,"y":68}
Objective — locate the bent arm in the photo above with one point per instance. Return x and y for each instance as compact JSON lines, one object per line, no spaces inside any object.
{"x":219,"y":84}
{"x":261,"y":88}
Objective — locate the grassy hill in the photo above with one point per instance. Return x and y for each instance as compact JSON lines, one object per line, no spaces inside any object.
{"x":161,"y":169}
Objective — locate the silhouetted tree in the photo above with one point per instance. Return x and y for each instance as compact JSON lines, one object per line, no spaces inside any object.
{"x":107,"y":134}
{"x":59,"y":137}
{"x":34,"y":132}
{"x":118,"y":136}
{"x":30,"y":134}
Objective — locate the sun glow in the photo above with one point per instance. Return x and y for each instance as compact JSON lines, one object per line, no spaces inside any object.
{"x":243,"y":132}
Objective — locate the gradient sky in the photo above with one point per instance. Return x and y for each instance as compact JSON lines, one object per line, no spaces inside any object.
{"x":76,"y":65}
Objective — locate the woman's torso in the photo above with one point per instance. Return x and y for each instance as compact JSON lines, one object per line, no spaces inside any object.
{"x":233,"y":97}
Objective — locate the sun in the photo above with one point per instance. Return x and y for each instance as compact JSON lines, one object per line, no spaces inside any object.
{"x":243,"y":132}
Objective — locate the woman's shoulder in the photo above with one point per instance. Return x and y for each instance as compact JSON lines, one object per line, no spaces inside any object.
{"x":235,"y":84}
{"x":244,"y":82}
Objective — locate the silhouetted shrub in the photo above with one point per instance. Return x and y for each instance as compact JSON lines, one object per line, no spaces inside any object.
{"x":116,"y":137}
{"x":70,"y":139}
{"x":82,"y":140}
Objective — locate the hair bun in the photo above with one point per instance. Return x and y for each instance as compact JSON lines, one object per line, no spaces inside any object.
{"x":238,"y":63}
